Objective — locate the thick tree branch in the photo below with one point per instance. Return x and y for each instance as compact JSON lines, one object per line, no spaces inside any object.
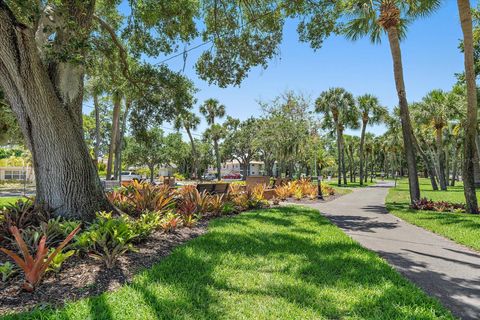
{"x":119,"y":45}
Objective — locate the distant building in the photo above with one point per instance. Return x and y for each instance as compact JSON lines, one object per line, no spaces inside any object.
{"x":256,"y":168}
{"x":17,"y":173}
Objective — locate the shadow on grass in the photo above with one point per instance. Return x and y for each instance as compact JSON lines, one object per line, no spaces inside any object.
{"x":286,"y":262}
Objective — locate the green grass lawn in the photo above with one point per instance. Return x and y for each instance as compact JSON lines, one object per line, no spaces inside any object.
{"x":461,"y":228}
{"x":280,"y":263}
{"x":7,"y":200}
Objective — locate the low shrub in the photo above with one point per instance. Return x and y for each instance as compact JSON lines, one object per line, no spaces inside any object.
{"x":439,"y":206}
{"x":170,"y":222}
{"x":20,"y":214}
{"x":7,"y":270}
{"x":107,"y":238}
{"x":216,"y":204}
{"x":228,"y":208}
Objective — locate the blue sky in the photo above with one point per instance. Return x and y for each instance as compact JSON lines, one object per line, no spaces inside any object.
{"x":430,"y":58}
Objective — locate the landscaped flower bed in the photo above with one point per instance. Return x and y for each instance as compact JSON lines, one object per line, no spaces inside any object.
{"x":438,"y":206}
{"x":302,"y":189}
{"x":105,"y":253}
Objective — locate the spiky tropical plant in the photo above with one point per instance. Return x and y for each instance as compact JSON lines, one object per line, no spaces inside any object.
{"x":374,"y":17}
{"x":371,"y":113}
{"x":212,"y":109}
{"x":338,"y":108}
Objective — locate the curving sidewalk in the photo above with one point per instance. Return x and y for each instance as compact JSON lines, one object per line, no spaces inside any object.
{"x":444,"y":269}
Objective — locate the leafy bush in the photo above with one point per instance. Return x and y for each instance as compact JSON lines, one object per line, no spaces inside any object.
{"x":35,"y":267}
{"x":282,"y":192}
{"x":228,"y":208}
{"x":178,"y":176}
{"x":55,"y":230}
{"x":146,"y":197}
{"x":108,"y":238}
{"x":146,"y":224}
{"x":7,"y":270}
{"x":216,"y":204}
{"x":142,"y":197}
{"x":59,"y":259}
{"x":439,"y":206}
{"x":21,"y":214}
{"x":170,"y":222}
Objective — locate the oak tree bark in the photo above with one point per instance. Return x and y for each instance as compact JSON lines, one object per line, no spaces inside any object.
{"x":47,"y":101}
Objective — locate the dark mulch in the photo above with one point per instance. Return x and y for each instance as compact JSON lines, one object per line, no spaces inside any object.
{"x":83,"y":276}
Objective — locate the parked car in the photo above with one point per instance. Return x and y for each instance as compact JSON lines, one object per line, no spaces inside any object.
{"x":209,"y":176}
{"x":130,"y":175}
{"x":232,"y":176}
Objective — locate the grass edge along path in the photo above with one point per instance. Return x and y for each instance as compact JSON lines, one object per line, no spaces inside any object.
{"x":461,"y":228}
{"x":278,"y":263}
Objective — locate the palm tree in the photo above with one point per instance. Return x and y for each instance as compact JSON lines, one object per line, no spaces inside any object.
{"x":469,"y":147}
{"x":189,"y":121}
{"x":371,"y":17}
{"x":371,"y":113}
{"x":434,"y":112}
{"x":339,"y":110}
{"x":212,"y":109}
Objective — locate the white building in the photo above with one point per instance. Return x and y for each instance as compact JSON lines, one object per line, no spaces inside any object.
{"x":256,"y":168}
{"x":17,"y":173}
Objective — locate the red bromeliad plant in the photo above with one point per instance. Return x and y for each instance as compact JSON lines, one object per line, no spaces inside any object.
{"x":35,"y":267}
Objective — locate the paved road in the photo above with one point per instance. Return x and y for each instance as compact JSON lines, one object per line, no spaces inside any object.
{"x":441,"y":267}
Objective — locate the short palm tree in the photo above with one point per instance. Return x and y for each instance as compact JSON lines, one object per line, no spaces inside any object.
{"x":212,"y":109}
{"x":372,"y":113}
{"x":338,"y":108}
{"x":435,"y":112}
{"x":189,"y":121}
{"x":371,"y":18}
{"x":469,"y":147}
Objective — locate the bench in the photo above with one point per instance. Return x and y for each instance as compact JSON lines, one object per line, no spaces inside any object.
{"x":213,"y":188}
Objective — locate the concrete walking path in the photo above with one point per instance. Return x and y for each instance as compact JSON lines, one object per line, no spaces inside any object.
{"x":444,"y":269}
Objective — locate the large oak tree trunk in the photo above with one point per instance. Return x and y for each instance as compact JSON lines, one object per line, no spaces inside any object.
{"x":471,"y":119}
{"x":408,"y":137}
{"x":47,"y":102}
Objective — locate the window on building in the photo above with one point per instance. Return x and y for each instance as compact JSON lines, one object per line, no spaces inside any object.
{"x":14,"y":175}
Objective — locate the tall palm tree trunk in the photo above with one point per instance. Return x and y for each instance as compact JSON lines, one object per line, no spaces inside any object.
{"x":440,"y":159}
{"x":342,"y":151}
{"x":96,"y":150}
{"x":113,"y":138}
{"x":365,"y":168}
{"x":454,"y":165}
{"x":194,"y":152}
{"x":217,"y":155}
{"x":429,"y":165}
{"x":339,"y":151}
{"x":471,"y":119}
{"x":408,"y":137}
{"x":362,"y":156}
